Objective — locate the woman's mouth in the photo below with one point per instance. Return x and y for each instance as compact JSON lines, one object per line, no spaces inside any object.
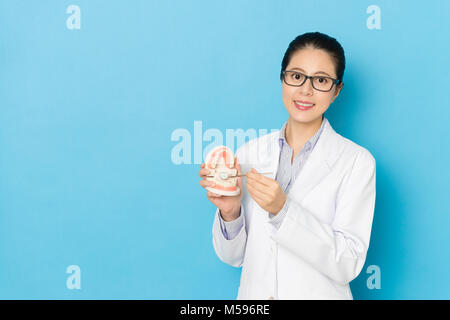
{"x":303,"y":105}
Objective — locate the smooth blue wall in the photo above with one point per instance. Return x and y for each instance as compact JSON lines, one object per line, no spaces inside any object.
{"x":87,"y":176}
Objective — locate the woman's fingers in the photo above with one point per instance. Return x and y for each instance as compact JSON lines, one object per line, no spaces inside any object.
{"x":255,"y":190}
{"x":205,"y":183}
{"x":213,"y":195}
{"x":203,"y":171}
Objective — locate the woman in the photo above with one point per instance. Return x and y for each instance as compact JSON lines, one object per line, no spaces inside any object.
{"x":303,"y":231}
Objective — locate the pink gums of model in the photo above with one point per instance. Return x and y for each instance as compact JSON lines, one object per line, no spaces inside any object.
{"x":220,"y":162}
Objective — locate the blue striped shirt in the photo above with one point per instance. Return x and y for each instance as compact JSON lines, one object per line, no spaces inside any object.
{"x":286,"y":174}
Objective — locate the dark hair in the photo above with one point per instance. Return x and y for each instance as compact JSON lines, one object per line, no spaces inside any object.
{"x":321,"y":41}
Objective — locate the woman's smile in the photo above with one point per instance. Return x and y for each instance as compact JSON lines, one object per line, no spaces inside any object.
{"x":303,"y":105}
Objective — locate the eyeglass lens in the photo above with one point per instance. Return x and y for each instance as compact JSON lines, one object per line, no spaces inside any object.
{"x":296,"y":79}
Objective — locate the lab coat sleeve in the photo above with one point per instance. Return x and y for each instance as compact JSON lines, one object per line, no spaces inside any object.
{"x":231,"y":228}
{"x":339,"y":249}
{"x":276,"y":220}
{"x":229,"y":251}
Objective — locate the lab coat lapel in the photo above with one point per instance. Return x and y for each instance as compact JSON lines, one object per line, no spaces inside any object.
{"x":319,"y":164}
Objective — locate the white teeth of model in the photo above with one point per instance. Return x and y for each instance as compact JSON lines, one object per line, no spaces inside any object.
{"x":305,"y":105}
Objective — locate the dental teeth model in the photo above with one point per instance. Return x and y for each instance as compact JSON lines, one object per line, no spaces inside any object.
{"x":220,"y":163}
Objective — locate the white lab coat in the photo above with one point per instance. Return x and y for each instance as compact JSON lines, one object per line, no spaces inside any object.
{"x":322,"y":242}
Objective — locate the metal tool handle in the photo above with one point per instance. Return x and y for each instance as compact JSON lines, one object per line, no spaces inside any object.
{"x":240,"y":175}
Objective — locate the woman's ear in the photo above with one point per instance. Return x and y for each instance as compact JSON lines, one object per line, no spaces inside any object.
{"x":339,"y":88}
{"x":337,"y":91}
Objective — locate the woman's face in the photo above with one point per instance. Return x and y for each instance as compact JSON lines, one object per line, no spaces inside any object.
{"x":309,"y":61}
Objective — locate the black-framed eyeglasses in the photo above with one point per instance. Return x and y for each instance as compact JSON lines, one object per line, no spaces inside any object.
{"x":320,"y":83}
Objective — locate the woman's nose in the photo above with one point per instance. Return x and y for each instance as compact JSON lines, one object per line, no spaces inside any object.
{"x":306,"y":88}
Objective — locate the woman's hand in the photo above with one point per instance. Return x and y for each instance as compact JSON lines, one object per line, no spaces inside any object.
{"x":266,"y":192}
{"x":230,"y":206}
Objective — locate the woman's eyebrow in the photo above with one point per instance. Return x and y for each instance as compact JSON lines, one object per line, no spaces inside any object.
{"x":314,"y":73}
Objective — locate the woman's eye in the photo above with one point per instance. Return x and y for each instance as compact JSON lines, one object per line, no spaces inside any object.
{"x":297,"y":76}
{"x":322,"y":80}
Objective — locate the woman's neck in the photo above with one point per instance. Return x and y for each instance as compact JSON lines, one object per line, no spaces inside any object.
{"x":298,"y":133}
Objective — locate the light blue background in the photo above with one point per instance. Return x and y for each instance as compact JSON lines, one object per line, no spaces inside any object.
{"x":86,"y":116}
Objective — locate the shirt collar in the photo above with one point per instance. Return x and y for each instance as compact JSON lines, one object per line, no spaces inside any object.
{"x":310,"y":144}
